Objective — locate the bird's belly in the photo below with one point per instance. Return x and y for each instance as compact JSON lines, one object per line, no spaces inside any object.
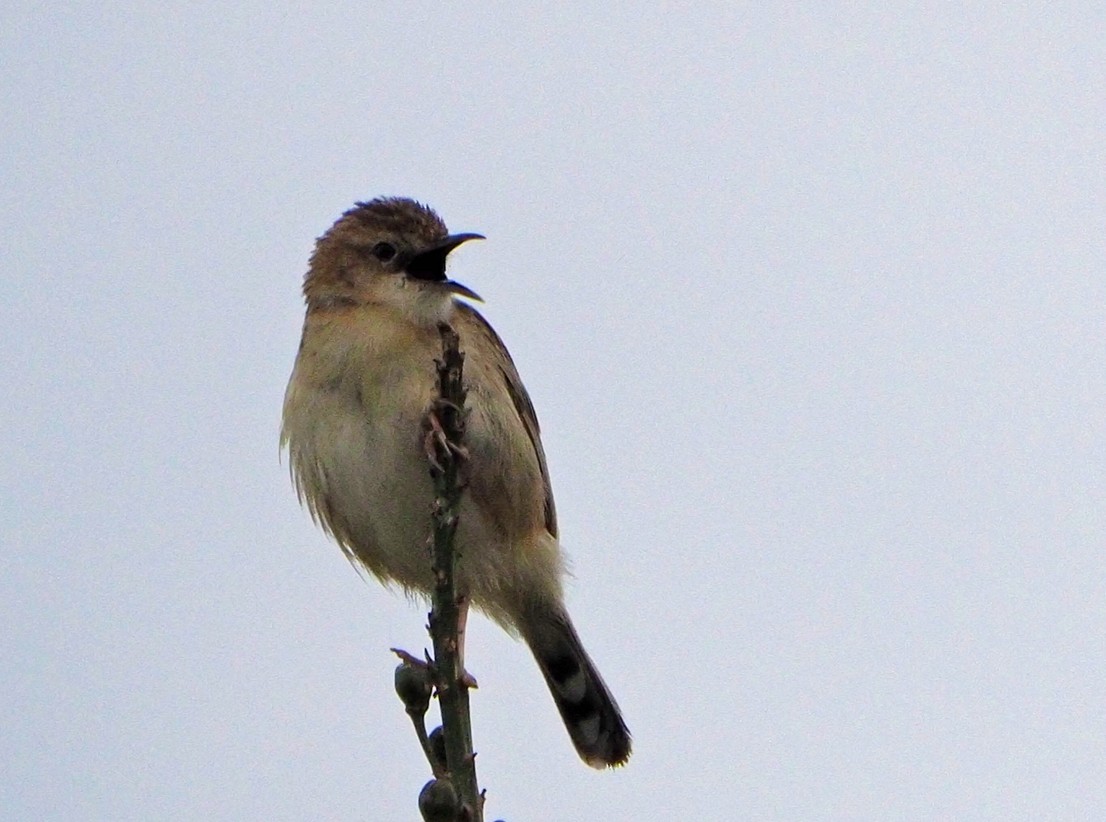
{"x":358,"y":453}
{"x":379,"y":489}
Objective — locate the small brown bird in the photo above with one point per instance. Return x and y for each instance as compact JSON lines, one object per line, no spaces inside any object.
{"x":354,"y":426}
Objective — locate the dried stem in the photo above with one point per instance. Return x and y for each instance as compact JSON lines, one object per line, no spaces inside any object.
{"x":447,"y":613}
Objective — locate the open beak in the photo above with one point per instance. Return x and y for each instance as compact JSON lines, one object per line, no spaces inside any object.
{"x":429,"y":264}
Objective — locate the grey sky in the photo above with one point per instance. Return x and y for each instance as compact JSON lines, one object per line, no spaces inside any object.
{"x":811,"y":306}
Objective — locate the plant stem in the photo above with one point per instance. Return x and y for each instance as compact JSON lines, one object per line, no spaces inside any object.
{"x":447,"y":609}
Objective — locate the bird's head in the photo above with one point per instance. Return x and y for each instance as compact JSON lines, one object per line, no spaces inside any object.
{"x":390,"y":252}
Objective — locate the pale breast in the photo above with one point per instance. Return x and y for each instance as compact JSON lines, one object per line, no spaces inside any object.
{"x":354,"y":423}
{"x":354,"y":434}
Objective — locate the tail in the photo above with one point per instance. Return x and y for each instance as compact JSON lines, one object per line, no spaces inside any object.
{"x":589,"y":711}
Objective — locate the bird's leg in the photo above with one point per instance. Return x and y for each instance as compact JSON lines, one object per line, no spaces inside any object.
{"x":435,"y":443}
{"x":467,"y":679}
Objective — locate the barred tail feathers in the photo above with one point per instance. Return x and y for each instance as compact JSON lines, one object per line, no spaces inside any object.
{"x":590,"y":713}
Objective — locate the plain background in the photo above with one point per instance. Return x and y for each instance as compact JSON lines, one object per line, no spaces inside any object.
{"x":810,"y":302}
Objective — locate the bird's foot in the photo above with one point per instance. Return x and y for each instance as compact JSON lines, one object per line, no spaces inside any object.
{"x":436,"y":443}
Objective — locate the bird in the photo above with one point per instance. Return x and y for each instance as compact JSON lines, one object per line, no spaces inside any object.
{"x":354,"y":427}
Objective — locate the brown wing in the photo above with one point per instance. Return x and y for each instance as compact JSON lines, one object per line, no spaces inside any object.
{"x":523,"y":407}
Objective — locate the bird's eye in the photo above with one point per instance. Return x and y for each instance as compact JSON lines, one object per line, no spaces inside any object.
{"x":383,"y":251}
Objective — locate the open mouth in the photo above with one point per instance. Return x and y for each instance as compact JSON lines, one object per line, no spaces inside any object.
{"x":429,"y":264}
